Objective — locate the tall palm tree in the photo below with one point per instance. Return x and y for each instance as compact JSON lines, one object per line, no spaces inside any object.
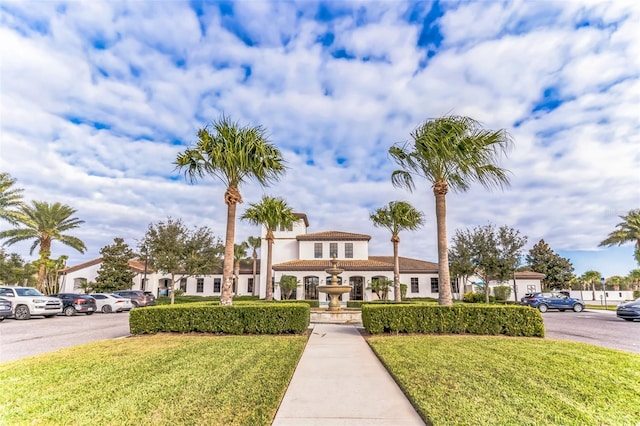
{"x":397,"y":216}
{"x":450,"y":152}
{"x":239,"y":254}
{"x":44,"y":223}
{"x":234,"y":155}
{"x":254,"y":245}
{"x":628,"y":231}
{"x":271,"y":212}
{"x":10,"y":199}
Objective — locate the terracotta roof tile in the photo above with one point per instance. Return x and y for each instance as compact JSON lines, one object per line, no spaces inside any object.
{"x":374,"y":263}
{"x":333,"y":236}
{"x":529,"y":275}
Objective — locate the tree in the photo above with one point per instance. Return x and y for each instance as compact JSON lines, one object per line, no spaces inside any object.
{"x":115,"y":273}
{"x":494,"y":253}
{"x":397,"y":216}
{"x":270,"y":212}
{"x":51,"y":268}
{"x":380,"y":287}
{"x":460,"y":265}
{"x":43,"y":223}
{"x":558,"y":271}
{"x":234,"y":155}
{"x":10,"y":199}
{"x":254,"y":245}
{"x":617,"y":282}
{"x":174,"y":249}
{"x":15,"y":271}
{"x":628,"y":231}
{"x":288,"y":283}
{"x":450,"y":152}
{"x":239,"y":254}
{"x":634,"y":279}
{"x":591,"y":278}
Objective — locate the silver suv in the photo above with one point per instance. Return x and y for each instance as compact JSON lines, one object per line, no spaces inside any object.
{"x":138,"y":297}
{"x":27,"y":301}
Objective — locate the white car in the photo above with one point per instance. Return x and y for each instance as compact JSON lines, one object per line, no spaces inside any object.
{"x":108,"y":302}
{"x":27,"y":301}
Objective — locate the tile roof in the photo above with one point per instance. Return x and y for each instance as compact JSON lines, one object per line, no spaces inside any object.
{"x":303,"y":217}
{"x":333,"y":236}
{"x":374,"y":263}
{"x":523,"y":275}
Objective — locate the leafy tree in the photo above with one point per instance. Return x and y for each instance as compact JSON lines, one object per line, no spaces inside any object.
{"x":15,"y":271}
{"x":450,"y":152}
{"x":502,"y":292}
{"x":51,"y":268}
{"x":617,"y":282}
{"x":115,"y":273}
{"x":397,"y":216}
{"x":590,"y":278}
{"x":288,"y":283}
{"x":634,"y":279}
{"x":494,"y":253}
{"x":460,"y":254}
{"x":43,"y":223}
{"x":239,"y":254}
{"x":628,"y":231}
{"x":254,"y":245}
{"x":558,"y":270}
{"x":174,"y":249}
{"x":234,"y":155}
{"x":380,"y":287}
{"x":270,"y":212}
{"x":10,"y":199}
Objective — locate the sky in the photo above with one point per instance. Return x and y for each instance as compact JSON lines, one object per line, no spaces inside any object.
{"x":98,"y":98}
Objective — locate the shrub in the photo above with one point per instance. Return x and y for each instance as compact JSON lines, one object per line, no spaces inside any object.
{"x":241,"y":318}
{"x":636,"y":294}
{"x":457,"y":319}
{"x":359,"y":303}
{"x":502,"y":292}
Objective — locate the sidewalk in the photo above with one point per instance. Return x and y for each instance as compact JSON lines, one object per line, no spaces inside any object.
{"x":339,"y":381}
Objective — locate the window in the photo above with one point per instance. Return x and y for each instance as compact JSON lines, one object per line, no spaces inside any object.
{"x":216,"y":285}
{"x":199,"y":285}
{"x":415,"y":287}
{"x":183,"y":284}
{"x":348,"y":250}
{"x":250,"y":285}
{"x":317,"y":250}
{"x":434,"y":285}
{"x":455,"y":286}
{"x":288,"y":228}
{"x":333,"y":250}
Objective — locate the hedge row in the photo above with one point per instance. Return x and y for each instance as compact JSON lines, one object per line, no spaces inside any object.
{"x":359,"y":303}
{"x":457,"y":319}
{"x":249,"y":318}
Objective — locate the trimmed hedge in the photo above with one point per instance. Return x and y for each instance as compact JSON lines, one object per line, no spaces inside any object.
{"x":457,"y":319}
{"x":359,"y":303}
{"x":241,"y":318}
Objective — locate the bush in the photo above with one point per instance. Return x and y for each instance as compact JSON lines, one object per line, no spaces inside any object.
{"x":458,"y":319}
{"x":502,"y":292}
{"x":636,"y":294}
{"x":358,"y":303}
{"x":241,"y":318}
{"x":472,"y":297}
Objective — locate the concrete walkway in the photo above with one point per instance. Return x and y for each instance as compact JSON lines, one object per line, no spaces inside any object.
{"x":339,"y":381}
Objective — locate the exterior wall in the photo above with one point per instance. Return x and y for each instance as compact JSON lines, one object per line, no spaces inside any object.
{"x":612,"y":296}
{"x":307,"y":250}
{"x":69,"y":283}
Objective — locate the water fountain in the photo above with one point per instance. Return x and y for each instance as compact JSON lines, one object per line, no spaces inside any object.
{"x":334,"y":290}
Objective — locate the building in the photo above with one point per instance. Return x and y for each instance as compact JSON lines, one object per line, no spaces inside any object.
{"x":306,"y":256}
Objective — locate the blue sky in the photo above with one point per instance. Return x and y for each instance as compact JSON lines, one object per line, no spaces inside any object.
{"x":97,"y":98}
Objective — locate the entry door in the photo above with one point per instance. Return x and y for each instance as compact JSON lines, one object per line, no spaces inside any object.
{"x":357,"y":284}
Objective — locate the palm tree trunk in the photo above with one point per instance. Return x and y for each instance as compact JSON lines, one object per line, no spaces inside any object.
{"x":269,"y":259}
{"x":396,"y":269}
{"x":444,"y":287}
{"x":226,"y":297}
{"x":45,"y":252}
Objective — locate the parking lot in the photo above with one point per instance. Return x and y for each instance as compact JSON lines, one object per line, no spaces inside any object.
{"x":20,"y":339}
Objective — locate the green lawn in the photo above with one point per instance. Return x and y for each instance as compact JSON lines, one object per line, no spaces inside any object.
{"x":152,"y":380}
{"x":513,"y":381}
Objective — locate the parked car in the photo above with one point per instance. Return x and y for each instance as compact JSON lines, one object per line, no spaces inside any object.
{"x":107,"y":302}
{"x":5,"y":308}
{"x":552,"y":300}
{"x":28,"y":302}
{"x":138,"y":297}
{"x":74,"y":303}
{"x":629,"y":311}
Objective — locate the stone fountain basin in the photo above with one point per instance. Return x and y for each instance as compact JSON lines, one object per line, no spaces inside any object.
{"x":334,"y":289}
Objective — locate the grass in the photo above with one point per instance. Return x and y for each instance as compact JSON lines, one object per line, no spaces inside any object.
{"x":154,"y":380}
{"x":611,"y":306}
{"x":502,"y":380}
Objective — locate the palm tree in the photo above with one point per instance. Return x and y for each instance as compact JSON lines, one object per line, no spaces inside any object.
{"x":397,"y":216}
{"x":254,"y":244}
{"x":591,"y":277}
{"x":44,"y":223}
{"x":10,"y":198}
{"x":239,"y":254}
{"x":234,"y":155}
{"x":270,"y":212}
{"x":629,"y":231}
{"x":450,"y":152}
